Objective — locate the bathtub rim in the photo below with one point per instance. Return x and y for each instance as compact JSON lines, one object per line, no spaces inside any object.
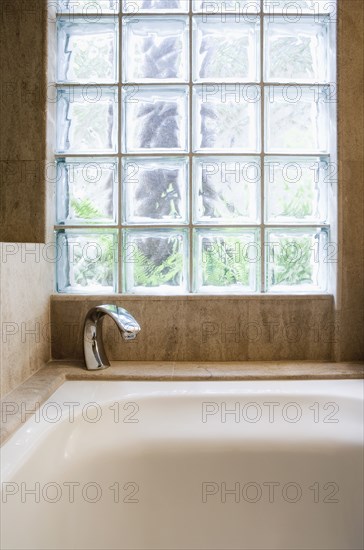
{"x":39,"y":387}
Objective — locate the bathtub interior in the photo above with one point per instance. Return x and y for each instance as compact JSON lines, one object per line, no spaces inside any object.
{"x":169,"y":466}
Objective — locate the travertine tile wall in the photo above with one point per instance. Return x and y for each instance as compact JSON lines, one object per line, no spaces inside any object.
{"x":25,"y":287}
{"x":25,"y":275}
{"x":198,"y":328}
{"x":23,"y":120}
{"x":351,"y":179}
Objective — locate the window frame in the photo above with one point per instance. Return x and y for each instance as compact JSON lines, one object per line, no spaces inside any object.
{"x":262,"y":226}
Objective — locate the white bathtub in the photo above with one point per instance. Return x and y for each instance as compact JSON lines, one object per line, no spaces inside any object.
{"x":162,"y":465}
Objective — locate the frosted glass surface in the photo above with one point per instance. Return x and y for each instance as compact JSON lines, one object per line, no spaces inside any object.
{"x":227,"y":259}
{"x":87,"y":7}
{"x":226,"y":189}
{"x":298,"y":7}
{"x":86,"y":191}
{"x":155,"y":49}
{"x":156,"y":6}
{"x":155,"y":261}
{"x":156,"y":119}
{"x":296,"y":52}
{"x":296,"y":119}
{"x":87,"y":120}
{"x":296,"y":260}
{"x":155,"y":190}
{"x":87,"y":261}
{"x":296,"y":190}
{"x":87,"y":52}
{"x":222,"y":6}
{"x":226,"y":121}
{"x":225,"y":52}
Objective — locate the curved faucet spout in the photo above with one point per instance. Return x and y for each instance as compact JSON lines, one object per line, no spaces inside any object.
{"x":93,"y":345}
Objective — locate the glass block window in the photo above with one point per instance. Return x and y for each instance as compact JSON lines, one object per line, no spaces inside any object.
{"x":196,"y":146}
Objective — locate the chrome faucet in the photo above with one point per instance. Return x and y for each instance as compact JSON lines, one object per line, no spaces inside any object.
{"x":93,"y":346}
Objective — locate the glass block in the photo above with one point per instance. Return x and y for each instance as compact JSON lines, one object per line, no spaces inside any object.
{"x":227,"y":118}
{"x":155,"y":119}
{"x":299,"y":7}
{"x":295,"y":260}
{"x":155,"y":190}
{"x":155,"y":6}
{"x":221,"y":6}
{"x":87,"y":191}
{"x":87,"y":52}
{"x":226,"y":260}
{"x":155,"y":261}
{"x":225,"y":51}
{"x":87,"y":120}
{"x":87,"y":261}
{"x":155,"y":49}
{"x":296,"y":52}
{"x":296,"y":190}
{"x":296,"y":119}
{"x":88,"y":7}
{"x":226,"y":189}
